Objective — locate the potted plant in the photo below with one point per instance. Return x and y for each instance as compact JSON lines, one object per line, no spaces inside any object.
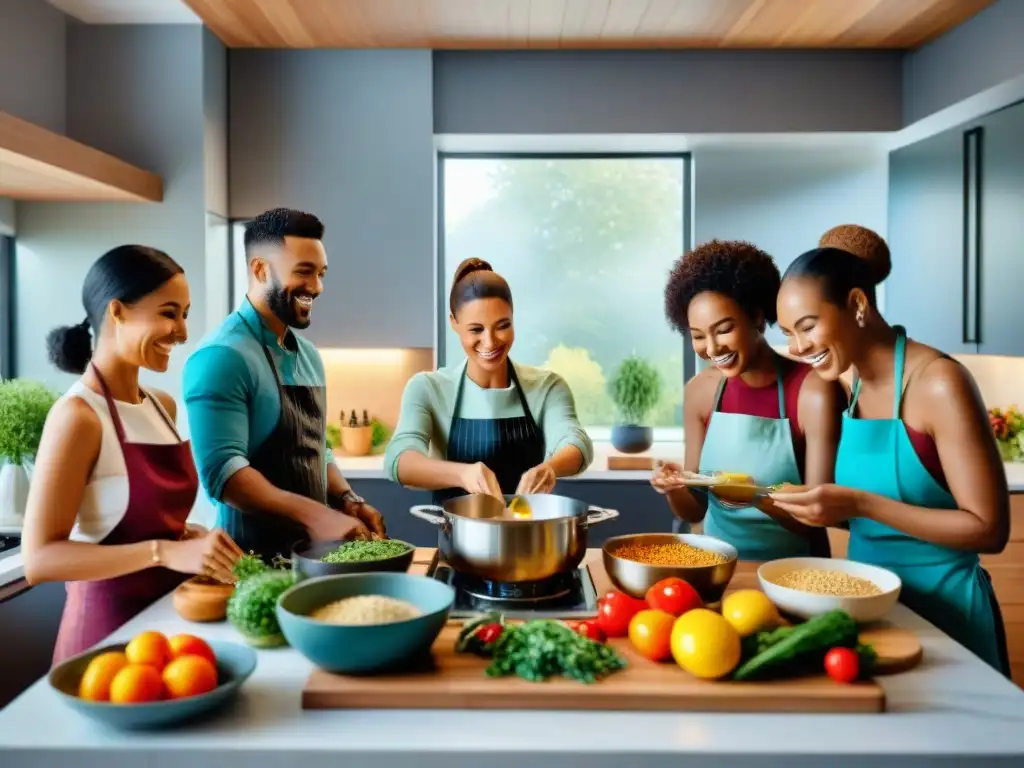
{"x":1008,"y":430}
{"x":635,"y":389}
{"x":23,"y":408}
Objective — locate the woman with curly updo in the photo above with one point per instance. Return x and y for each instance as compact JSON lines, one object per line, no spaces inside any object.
{"x":752,"y":411}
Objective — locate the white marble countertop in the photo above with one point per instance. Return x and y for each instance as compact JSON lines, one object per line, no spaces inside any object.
{"x":952,"y":705}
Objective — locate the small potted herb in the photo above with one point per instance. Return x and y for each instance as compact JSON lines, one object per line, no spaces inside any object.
{"x":635,"y":389}
{"x":24,"y":406}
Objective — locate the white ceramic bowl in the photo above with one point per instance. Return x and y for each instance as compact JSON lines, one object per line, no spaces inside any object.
{"x":862,"y":609}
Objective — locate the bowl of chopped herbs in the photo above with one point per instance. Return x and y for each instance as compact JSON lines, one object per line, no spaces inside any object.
{"x":329,"y":558}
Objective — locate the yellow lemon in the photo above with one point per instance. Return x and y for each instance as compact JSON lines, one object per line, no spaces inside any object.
{"x":705,"y":644}
{"x":750,"y":611}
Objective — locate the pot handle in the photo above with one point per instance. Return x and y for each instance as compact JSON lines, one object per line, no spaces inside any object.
{"x":429,"y":512}
{"x":597,"y":515}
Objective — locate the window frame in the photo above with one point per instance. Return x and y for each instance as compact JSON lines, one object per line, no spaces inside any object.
{"x":8,"y":308}
{"x":599,"y":433}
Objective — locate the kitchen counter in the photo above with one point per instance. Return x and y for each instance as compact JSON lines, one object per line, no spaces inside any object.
{"x":952,"y":706}
{"x":372,"y":467}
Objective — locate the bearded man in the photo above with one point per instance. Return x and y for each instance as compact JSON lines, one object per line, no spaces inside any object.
{"x":256,"y":399}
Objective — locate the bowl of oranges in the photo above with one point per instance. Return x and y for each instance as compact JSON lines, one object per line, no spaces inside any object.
{"x":153,"y":680}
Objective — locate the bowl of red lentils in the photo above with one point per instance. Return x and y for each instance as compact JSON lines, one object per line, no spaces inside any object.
{"x":636,"y":562}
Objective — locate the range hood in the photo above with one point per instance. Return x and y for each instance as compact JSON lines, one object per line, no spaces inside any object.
{"x":37,"y":164}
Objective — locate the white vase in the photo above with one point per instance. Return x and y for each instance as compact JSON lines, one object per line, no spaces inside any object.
{"x":14,"y":481}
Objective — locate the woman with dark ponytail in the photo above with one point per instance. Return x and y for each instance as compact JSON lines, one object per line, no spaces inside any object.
{"x":114,"y":482}
{"x":486,"y":425}
{"x":918,"y":475}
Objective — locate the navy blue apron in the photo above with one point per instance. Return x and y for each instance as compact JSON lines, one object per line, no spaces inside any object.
{"x":292,"y":459}
{"x":509,"y":447}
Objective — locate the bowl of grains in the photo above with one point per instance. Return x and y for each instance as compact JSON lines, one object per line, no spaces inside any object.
{"x":330,"y":558}
{"x":636,"y":562}
{"x":810,"y":586}
{"x":364,"y":623}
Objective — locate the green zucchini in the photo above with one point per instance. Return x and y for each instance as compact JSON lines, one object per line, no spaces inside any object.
{"x":801,"y":647}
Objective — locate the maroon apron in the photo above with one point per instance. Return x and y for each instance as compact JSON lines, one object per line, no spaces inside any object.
{"x":162,"y":487}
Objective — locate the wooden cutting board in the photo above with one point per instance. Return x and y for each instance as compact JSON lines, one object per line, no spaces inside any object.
{"x":457,"y":681}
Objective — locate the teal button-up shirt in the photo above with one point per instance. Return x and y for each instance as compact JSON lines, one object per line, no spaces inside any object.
{"x":232,"y":396}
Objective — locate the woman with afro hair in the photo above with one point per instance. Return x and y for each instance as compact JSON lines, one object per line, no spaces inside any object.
{"x":918,"y":476}
{"x":752,"y":411}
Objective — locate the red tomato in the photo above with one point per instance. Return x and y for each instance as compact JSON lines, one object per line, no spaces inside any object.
{"x":650,"y":632}
{"x":614,"y":612}
{"x":489,"y":633}
{"x":591,"y":629}
{"x":842,"y":665}
{"x":673,"y":595}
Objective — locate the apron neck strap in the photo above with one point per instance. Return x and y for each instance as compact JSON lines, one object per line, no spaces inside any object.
{"x":778,"y":386}
{"x":899,"y":363}
{"x":111,"y":405}
{"x":898,"y":367}
{"x":513,"y":381}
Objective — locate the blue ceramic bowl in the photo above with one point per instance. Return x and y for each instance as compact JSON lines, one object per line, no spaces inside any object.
{"x":235,"y":663}
{"x":361,"y":649}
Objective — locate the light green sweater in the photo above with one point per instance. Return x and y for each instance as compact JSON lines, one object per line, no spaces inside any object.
{"x":429,"y":400}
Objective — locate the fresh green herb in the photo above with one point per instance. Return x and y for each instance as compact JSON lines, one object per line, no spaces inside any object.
{"x":366,"y":551}
{"x":252,"y":606}
{"x":790,"y":649}
{"x":542,"y":648}
{"x":248,"y":565}
{"x":380,"y":434}
{"x":24,"y":406}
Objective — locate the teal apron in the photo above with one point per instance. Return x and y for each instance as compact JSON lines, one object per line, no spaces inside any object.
{"x":947,"y":587}
{"x":762,"y":448}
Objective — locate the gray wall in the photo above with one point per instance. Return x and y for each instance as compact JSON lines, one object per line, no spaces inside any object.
{"x":666,"y":91}
{"x":215,"y":122}
{"x":980,"y":54}
{"x":348,"y":136}
{"x":32,"y":72}
{"x":784,"y":198}
{"x":135,"y":92}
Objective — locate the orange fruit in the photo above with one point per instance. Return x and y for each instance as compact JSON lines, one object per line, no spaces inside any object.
{"x":149,"y":648}
{"x":650,"y":632}
{"x":136,"y":683}
{"x":190,"y":645}
{"x":189,"y":676}
{"x":95,"y":683}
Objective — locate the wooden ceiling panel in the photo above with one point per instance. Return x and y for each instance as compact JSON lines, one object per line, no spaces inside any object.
{"x":519,"y":24}
{"x":37,"y":164}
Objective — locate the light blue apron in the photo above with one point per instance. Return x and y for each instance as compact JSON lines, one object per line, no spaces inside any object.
{"x":762,"y":448}
{"x":947,"y":587}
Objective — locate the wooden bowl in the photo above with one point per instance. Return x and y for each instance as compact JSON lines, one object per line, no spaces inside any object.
{"x":201,"y":599}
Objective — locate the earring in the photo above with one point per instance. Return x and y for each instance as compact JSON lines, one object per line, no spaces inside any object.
{"x":860,"y":318}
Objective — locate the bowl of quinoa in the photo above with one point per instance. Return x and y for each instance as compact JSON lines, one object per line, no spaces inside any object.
{"x":810,"y":586}
{"x":636,"y":562}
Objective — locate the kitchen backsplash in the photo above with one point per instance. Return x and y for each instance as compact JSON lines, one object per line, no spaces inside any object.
{"x":1000,"y":379}
{"x":370,"y":379}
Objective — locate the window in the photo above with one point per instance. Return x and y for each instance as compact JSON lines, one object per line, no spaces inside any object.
{"x":7,"y":308}
{"x":238,"y":266}
{"x":586,"y":243}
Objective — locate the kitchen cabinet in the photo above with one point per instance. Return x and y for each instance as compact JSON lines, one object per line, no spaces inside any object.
{"x":956,"y":231}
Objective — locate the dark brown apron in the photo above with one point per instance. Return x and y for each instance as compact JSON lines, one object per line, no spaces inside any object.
{"x":162,"y":487}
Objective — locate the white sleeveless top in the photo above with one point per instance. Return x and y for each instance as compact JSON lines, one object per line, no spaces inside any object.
{"x":105,"y":500}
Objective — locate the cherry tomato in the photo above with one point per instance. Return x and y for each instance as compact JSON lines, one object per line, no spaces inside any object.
{"x":650,"y":632}
{"x":590,"y":629}
{"x":614,"y":612}
{"x":842,"y":665}
{"x":673,"y":595}
{"x":489,"y":633}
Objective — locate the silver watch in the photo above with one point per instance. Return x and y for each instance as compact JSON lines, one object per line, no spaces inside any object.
{"x":351,"y":497}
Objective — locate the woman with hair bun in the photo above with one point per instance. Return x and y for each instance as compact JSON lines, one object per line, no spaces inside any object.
{"x":113,"y":481}
{"x":486,"y":425}
{"x":918,"y":474}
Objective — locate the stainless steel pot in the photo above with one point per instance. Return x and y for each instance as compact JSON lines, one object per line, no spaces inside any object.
{"x":477,"y":535}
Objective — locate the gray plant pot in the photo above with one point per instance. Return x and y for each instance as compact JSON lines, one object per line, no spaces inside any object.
{"x":630,"y":438}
